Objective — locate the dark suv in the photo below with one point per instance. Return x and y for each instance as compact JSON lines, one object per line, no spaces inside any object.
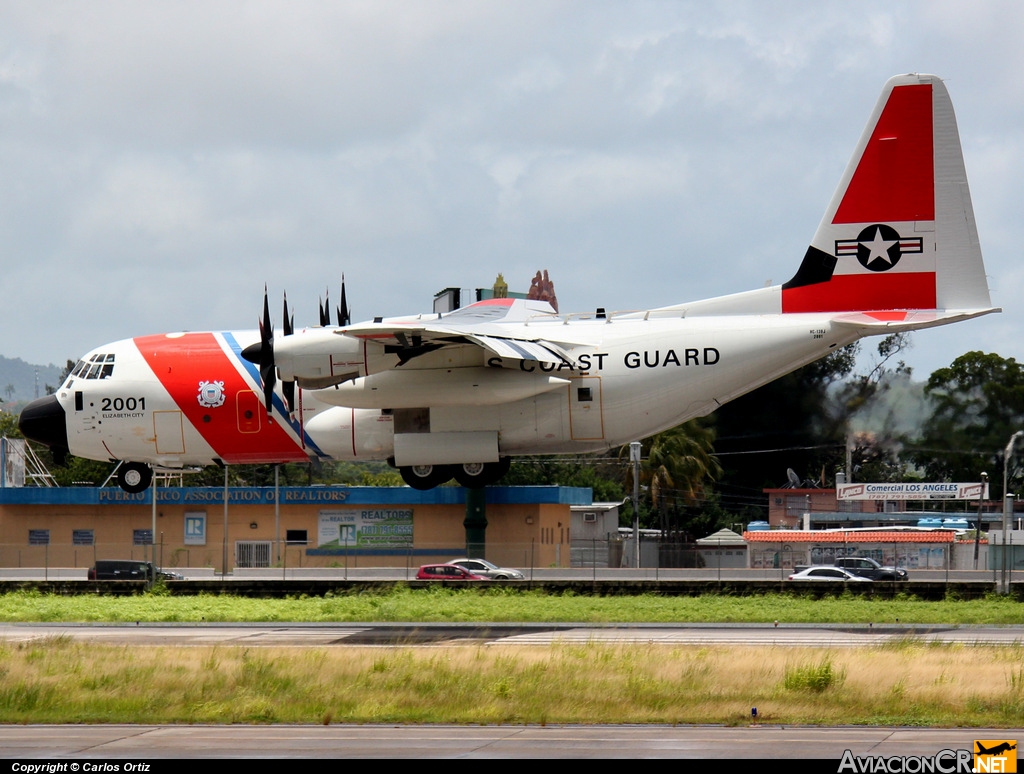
{"x":869,"y":568}
{"x":128,"y":569}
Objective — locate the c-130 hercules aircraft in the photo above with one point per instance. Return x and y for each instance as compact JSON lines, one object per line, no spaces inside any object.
{"x":459,"y":394}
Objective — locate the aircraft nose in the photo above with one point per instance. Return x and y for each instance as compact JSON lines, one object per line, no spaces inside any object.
{"x":43,"y":420}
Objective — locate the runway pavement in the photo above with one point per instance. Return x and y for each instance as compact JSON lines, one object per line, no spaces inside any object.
{"x":424,"y":634}
{"x":135,"y":743}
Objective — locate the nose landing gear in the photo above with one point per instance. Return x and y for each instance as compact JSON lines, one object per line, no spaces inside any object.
{"x":134,"y":477}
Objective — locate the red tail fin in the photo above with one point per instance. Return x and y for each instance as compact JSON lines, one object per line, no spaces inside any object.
{"x":899,"y":232}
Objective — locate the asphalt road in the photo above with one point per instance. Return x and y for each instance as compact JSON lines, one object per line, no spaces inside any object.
{"x":545,"y":573}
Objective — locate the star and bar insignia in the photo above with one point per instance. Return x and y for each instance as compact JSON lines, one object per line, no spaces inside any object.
{"x":879,"y":247}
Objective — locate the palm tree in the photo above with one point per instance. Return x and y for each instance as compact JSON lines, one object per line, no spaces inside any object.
{"x":677,"y":464}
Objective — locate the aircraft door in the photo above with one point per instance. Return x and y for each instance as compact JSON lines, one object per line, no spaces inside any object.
{"x":249,"y":411}
{"x":586,"y":422}
{"x":170,"y":436}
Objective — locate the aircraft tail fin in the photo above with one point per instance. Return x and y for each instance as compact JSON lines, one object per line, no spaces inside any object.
{"x":899,"y":233}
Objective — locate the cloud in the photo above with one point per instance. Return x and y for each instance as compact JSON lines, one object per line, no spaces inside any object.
{"x":162,"y":161}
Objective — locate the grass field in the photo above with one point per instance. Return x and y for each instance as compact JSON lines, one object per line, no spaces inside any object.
{"x":908,"y":683}
{"x":506,"y":605}
{"x":59,"y":680}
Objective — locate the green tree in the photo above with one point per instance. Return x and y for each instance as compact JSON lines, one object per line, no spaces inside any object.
{"x":601,"y":474}
{"x":677,"y":470}
{"x":9,"y":425}
{"x":878,"y":411}
{"x":68,"y":368}
{"x":788,"y":423}
{"x":978,"y":404}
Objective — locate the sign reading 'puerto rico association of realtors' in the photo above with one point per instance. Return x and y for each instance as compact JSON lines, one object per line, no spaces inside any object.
{"x":911,"y":491}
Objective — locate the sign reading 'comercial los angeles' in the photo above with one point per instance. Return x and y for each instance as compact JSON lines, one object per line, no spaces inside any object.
{"x":911,"y":491}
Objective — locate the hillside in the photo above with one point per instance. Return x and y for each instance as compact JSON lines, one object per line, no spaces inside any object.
{"x":18,"y":379}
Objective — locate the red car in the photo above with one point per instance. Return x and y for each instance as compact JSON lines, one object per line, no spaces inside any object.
{"x":450,"y":572}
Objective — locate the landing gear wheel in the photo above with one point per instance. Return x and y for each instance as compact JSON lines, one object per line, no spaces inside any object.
{"x":424,"y":477}
{"x":134,"y":477}
{"x":476,"y":475}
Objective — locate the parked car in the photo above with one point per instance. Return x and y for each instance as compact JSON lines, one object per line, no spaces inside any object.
{"x":826,"y":573}
{"x":488,"y":569}
{"x":450,"y":572}
{"x":129,"y":569}
{"x":869,"y":568}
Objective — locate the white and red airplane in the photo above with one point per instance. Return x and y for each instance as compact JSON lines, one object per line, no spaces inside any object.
{"x":459,"y":394}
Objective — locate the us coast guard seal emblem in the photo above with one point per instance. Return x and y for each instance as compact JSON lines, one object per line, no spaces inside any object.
{"x":211,"y":394}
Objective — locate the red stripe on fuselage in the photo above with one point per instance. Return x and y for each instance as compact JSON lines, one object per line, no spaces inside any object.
{"x":181,"y":363}
{"x":863,"y":293}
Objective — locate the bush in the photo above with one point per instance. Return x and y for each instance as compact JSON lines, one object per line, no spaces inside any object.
{"x":813,"y":678}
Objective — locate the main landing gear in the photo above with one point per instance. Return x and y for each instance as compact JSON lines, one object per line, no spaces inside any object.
{"x":472,"y":475}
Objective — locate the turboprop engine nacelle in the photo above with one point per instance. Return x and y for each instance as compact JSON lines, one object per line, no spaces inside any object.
{"x":319,"y":357}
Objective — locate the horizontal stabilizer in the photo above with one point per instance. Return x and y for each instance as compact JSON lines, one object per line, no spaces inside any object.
{"x":893,"y":322}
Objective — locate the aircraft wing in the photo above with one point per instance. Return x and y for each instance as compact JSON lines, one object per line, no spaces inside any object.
{"x":500,"y":326}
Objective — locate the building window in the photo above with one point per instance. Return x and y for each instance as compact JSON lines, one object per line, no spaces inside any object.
{"x":296,"y":537}
{"x":142,"y":537}
{"x":82,"y":537}
{"x":39,"y":537}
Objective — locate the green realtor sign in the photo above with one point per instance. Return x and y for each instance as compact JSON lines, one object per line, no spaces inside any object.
{"x":365,"y":528}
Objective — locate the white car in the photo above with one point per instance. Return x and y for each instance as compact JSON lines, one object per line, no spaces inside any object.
{"x":488,"y":569}
{"x":827,"y":573}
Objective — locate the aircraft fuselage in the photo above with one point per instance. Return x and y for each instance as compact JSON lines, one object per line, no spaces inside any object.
{"x":191,"y":399}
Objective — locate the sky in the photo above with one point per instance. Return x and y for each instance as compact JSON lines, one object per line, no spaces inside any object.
{"x":162,"y":161}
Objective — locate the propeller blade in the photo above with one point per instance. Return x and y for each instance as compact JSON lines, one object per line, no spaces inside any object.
{"x":268,"y":372}
{"x":288,"y":388}
{"x":325,"y":311}
{"x":344,"y":314}
{"x":289,"y":320}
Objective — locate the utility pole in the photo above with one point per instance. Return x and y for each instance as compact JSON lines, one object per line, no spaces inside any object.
{"x":981,"y":503}
{"x":634,"y":457}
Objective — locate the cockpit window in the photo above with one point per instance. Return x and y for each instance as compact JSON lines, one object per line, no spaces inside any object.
{"x":96,"y":367}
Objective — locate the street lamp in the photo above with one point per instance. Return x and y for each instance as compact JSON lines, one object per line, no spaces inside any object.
{"x":1007,"y":500}
{"x":1007,"y":454}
